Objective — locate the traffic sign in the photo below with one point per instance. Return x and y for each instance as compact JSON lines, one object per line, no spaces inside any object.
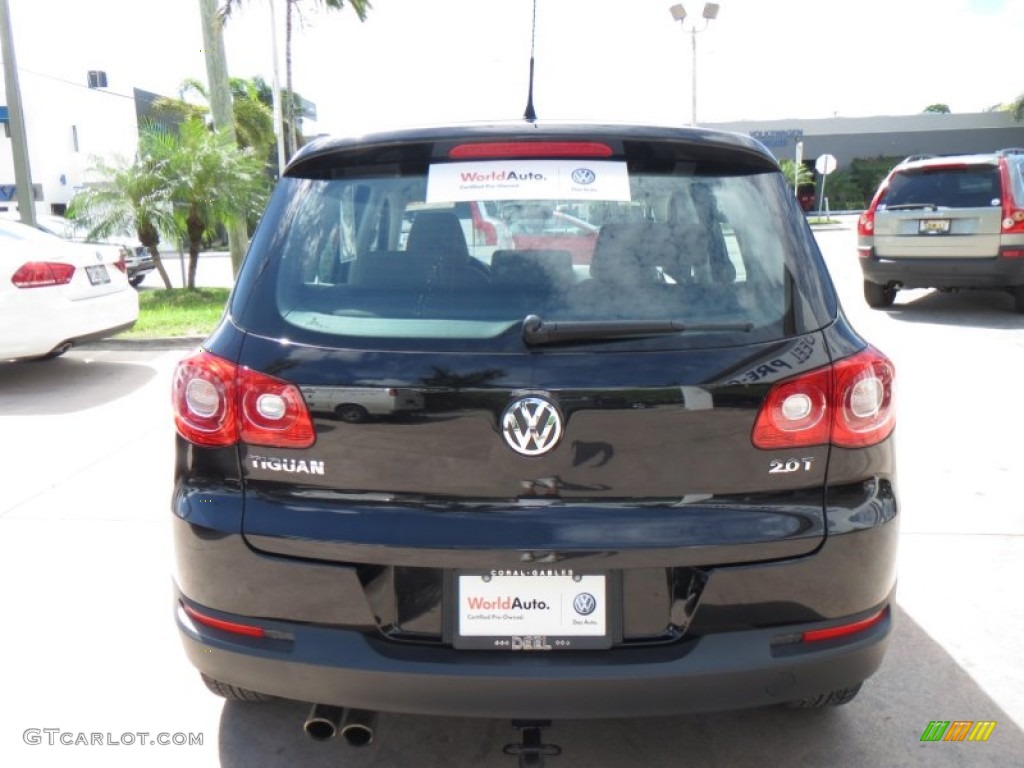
{"x":825,"y":164}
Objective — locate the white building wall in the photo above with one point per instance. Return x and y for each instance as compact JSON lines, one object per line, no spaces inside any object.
{"x":55,"y":111}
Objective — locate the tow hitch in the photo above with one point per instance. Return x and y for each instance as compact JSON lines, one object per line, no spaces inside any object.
{"x":532,"y":751}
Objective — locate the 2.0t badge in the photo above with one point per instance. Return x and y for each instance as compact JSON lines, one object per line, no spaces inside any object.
{"x":531,"y":426}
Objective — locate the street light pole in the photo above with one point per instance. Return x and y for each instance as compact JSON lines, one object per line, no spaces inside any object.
{"x":679,"y":14}
{"x":19,"y":138}
{"x":693,"y":82}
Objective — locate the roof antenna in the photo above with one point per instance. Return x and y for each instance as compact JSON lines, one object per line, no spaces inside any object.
{"x":530,"y":113}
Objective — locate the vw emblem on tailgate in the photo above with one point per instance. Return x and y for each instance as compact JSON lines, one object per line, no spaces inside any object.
{"x":531,"y":426}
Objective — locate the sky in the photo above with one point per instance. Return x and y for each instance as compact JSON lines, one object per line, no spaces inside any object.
{"x":418,"y":62}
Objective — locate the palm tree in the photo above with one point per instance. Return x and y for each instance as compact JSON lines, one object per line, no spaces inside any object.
{"x":127,"y":198}
{"x":789,"y":169}
{"x":207,"y":178}
{"x":293,"y":8}
{"x":254,"y":121}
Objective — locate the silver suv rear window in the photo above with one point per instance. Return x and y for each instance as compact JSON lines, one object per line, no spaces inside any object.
{"x":960,"y":187}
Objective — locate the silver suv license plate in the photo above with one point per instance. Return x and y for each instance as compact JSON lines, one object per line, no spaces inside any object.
{"x":532,"y":609}
{"x":934,"y":227}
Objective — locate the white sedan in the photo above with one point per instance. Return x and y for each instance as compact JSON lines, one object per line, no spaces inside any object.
{"x":55,"y":294}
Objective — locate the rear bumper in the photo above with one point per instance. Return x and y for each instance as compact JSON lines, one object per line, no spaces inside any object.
{"x":58,"y":321}
{"x":346,"y":667}
{"x":327,"y":626}
{"x":999,"y":272}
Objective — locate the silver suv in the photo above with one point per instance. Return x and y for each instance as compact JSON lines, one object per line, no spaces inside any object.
{"x":946,"y":222}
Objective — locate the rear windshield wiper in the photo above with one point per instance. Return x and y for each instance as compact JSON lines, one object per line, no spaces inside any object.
{"x":537,"y":331}
{"x":912,"y":207}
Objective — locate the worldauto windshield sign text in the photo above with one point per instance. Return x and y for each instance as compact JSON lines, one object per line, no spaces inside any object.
{"x":507,"y":180}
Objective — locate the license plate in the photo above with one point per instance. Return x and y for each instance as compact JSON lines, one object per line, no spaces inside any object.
{"x":97,"y":274}
{"x":531,"y":610}
{"x":934,"y":226}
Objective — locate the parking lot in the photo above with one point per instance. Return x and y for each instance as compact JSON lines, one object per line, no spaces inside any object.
{"x":90,"y":645}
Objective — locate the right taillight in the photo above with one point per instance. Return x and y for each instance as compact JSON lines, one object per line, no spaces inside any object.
{"x":1013,"y":210}
{"x":217,"y":404}
{"x":39,"y":274}
{"x":848,"y":404}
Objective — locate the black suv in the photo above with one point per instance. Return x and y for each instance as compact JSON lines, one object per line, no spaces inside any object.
{"x":658,"y":482}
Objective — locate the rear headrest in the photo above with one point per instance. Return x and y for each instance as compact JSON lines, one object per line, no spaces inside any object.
{"x":538,"y":269}
{"x":390,"y":269}
{"x":438,"y":234}
{"x":630,"y":251}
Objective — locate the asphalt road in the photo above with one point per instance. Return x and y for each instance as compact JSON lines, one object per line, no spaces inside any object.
{"x":89,"y":646}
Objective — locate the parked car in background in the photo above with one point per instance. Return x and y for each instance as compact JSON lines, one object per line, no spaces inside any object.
{"x":659,"y":482}
{"x":55,"y":294}
{"x":807,"y":196}
{"x":137,"y":258}
{"x":484,"y":230}
{"x":539,"y":227}
{"x":949,"y":222}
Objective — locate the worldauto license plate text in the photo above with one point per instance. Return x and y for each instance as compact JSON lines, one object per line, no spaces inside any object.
{"x":504,"y":606}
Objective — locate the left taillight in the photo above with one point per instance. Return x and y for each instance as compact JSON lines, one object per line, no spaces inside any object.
{"x":217,"y":404}
{"x":866,"y":221}
{"x":39,"y":274}
{"x":122,"y":263}
{"x":848,"y":404}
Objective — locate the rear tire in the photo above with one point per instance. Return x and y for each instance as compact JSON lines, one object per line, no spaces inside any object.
{"x":879,"y":296}
{"x":823,"y":700}
{"x":351,"y":414}
{"x":233,"y":692}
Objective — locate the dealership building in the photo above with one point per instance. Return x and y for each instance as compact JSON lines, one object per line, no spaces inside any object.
{"x":71,"y":124}
{"x":849,"y":138}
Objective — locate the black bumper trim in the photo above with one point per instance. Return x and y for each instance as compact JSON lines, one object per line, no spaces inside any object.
{"x":349,"y":668}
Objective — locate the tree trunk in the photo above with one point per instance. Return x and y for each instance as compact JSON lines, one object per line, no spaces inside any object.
{"x":221,"y":108}
{"x":193,"y":262}
{"x":149,"y":237}
{"x":194,"y":226}
{"x":154,"y":251}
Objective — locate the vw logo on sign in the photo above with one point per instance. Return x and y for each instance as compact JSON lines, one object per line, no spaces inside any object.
{"x":531,"y":426}
{"x":583,"y":176}
{"x":584,"y":603}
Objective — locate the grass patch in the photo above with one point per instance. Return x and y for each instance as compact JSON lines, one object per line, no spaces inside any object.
{"x":177,"y":312}
{"x":812,"y":220}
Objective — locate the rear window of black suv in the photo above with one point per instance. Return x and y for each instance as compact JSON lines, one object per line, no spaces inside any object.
{"x":390,"y":246}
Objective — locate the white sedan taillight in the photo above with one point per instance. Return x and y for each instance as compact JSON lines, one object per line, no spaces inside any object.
{"x":39,"y":274}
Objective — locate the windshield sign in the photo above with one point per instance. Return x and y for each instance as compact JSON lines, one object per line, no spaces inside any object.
{"x":528,"y":180}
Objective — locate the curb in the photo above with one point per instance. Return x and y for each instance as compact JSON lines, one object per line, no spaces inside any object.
{"x":169,"y":342}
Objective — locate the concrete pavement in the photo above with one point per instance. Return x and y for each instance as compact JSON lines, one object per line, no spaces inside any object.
{"x":85,"y":564}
